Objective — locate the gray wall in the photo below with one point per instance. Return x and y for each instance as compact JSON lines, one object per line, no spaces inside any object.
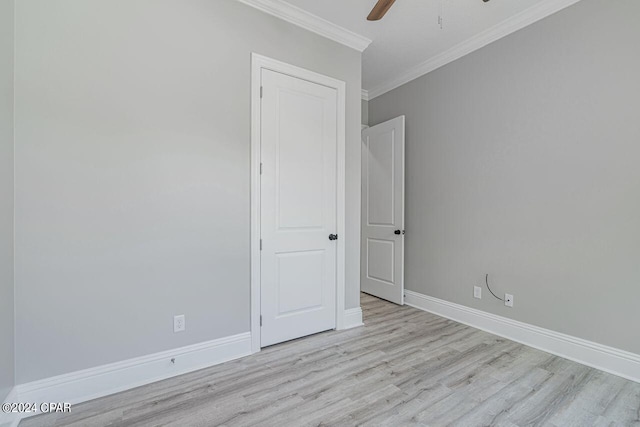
{"x":6,"y":198}
{"x":522,"y":162}
{"x":132,"y":172}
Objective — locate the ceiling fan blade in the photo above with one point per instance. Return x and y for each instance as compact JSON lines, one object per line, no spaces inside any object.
{"x":380,"y":9}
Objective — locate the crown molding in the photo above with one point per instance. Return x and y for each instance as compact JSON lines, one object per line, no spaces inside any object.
{"x":511,"y":25}
{"x":365,"y":95}
{"x":311,"y":22}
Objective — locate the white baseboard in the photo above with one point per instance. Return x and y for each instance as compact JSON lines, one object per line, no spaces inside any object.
{"x":353,"y":318}
{"x":608,"y":359}
{"x":88,"y":384}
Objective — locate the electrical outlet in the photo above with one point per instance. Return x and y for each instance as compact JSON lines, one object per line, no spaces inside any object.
{"x":508,"y":300}
{"x":179,"y":323}
{"x":477,"y":292}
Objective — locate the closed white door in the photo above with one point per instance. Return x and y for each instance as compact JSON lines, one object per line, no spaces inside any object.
{"x":382,"y":269}
{"x":299,"y":207}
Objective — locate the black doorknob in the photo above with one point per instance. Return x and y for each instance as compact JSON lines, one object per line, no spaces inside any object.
{"x":333,"y":237}
{"x":398,"y":232}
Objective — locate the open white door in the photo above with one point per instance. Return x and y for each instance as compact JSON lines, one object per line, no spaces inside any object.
{"x":382,"y":270}
{"x":299,"y":153}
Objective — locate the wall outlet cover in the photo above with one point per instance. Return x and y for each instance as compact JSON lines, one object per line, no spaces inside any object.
{"x":179,"y":323}
{"x":508,"y":300}
{"x":477,"y":292}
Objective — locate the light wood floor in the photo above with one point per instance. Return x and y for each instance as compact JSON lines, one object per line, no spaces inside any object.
{"x":405,"y":367}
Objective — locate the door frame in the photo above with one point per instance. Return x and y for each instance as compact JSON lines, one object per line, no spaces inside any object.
{"x":258,"y":63}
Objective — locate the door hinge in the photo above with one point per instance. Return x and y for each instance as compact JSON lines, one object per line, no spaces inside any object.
{"x":260,"y":244}
{"x":261,"y":320}
{"x":260,"y":91}
{"x":260,"y":168}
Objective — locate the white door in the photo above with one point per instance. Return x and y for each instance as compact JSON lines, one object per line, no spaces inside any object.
{"x":382,"y":269}
{"x":299,"y":207}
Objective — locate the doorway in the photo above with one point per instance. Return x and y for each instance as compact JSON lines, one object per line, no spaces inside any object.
{"x":383,"y":230}
{"x":298,"y":137}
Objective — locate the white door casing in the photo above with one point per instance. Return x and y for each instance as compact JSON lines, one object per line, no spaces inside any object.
{"x":382,"y":267}
{"x":298,"y":141}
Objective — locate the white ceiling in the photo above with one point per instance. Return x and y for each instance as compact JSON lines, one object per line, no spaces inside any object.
{"x":409,"y":34}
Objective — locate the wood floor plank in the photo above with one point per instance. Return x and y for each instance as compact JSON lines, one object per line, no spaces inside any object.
{"x":404,"y":367}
